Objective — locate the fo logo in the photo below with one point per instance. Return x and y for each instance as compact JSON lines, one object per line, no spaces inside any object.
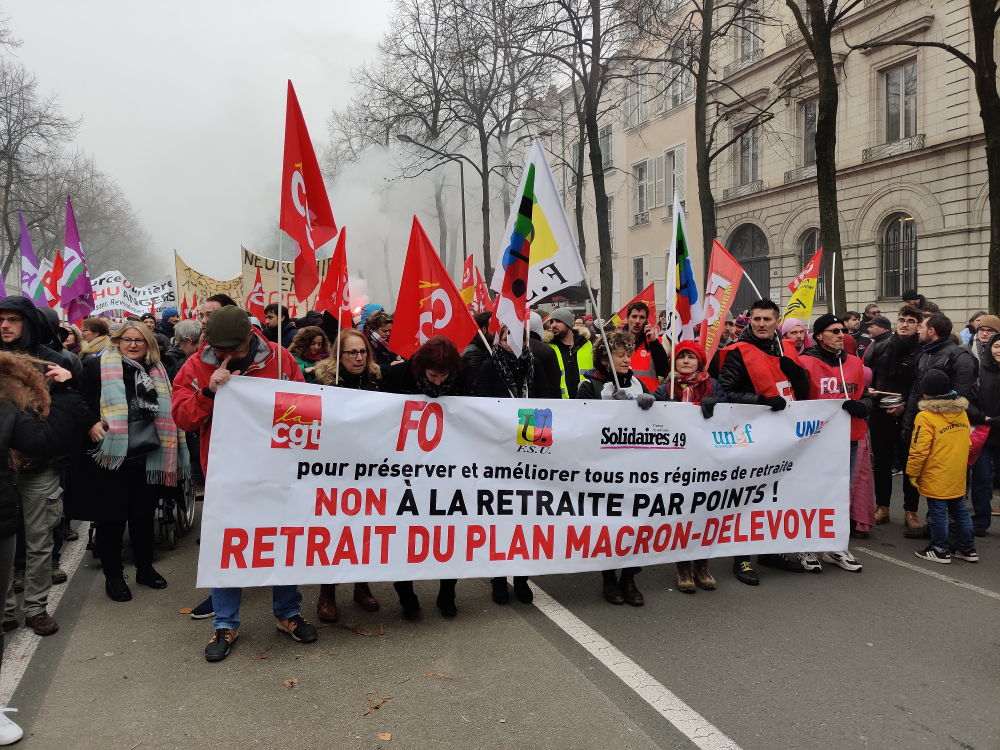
{"x":534,"y":427}
{"x":738,"y":437}
{"x":428,"y":432}
{"x":297,"y":420}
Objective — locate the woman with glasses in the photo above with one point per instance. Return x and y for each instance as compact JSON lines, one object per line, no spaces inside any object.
{"x":136,"y":453}
{"x":377,"y":328}
{"x":356,"y":369}
{"x":310,"y":347}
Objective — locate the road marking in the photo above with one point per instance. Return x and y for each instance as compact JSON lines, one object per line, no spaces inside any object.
{"x":22,"y":643}
{"x":692,"y":724}
{"x":931,"y":573}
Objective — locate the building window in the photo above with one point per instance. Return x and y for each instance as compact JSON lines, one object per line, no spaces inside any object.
{"x":749,"y":247}
{"x":679,"y":88}
{"x":901,"y":102}
{"x":642,"y":192}
{"x":611,"y":220}
{"x":749,"y":31}
{"x":810,"y":112}
{"x":605,"y":142}
{"x":810,"y":244}
{"x":574,"y":157}
{"x":749,"y":156}
{"x":899,"y":256}
{"x":637,"y":276}
{"x":637,"y":96}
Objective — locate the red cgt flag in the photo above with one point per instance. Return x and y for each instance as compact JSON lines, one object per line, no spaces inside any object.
{"x":482,"y":302}
{"x":647,"y":295}
{"x":334,"y":295}
{"x":194,"y":304}
{"x":255,"y":302}
{"x":721,"y":285}
{"x":305,"y":207}
{"x":184,"y":307}
{"x":429,"y":303}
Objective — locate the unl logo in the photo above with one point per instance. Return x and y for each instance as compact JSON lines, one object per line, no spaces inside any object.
{"x":426,"y":439}
{"x":809,"y":429}
{"x":534,"y":427}
{"x":297,"y":420}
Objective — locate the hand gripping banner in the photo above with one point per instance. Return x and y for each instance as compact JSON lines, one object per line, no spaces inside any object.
{"x":310,"y":484}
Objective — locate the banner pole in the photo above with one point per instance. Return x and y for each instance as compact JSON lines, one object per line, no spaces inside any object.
{"x":340,"y":330}
{"x":281,"y":284}
{"x":604,"y":338}
{"x":753,"y":285}
{"x":673,"y":339}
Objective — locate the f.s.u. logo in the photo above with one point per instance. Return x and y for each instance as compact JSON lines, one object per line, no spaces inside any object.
{"x":436,"y":315}
{"x":534,"y":427}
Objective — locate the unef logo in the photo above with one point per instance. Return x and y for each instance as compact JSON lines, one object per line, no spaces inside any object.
{"x":426,"y":439}
{"x":738,"y":437}
{"x":436,"y":315}
{"x":534,"y":427}
{"x":297,"y":420}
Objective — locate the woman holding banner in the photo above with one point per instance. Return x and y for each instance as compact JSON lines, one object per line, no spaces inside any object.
{"x":434,"y":370}
{"x":693,"y":385}
{"x":504,"y":375}
{"x":600,"y":383}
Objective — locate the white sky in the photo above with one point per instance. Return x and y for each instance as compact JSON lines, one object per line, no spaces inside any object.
{"x":183,"y":103}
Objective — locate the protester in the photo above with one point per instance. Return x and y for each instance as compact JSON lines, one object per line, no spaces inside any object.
{"x":937,"y":463}
{"x":827,"y":363}
{"x":271,"y":329}
{"x":367,"y":310}
{"x":795,"y":331}
{"x":574,"y":353}
{"x":95,"y":336}
{"x":148,"y":320}
{"x":760,"y":368}
{"x":599,"y":383}
{"x":169,"y":317}
{"x":210,"y":305}
{"x":879,"y":328}
{"x":650,"y":361}
{"x":851,"y":321}
{"x":544,"y":353}
{"x":741,"y":322}
{"x":478,"y":350}
{"x":693,"y":385}
{"x":187,"y":339}
{"x":726,"y":336}
{"x":984,"y":470}
{"x":139,"y":451}
{"x":73,"y":343}
{"x":969,"y":332}
{"x":36,"y":423}
{"x":871,"y":312}
{"x":357,"y":369}
{"x":893,"y":361}
{"x":309,"y":347}
{"x":377,"y":329}
{"x":986,"y":327}
{"x":434,"y":370}
{"x":232,"y":347}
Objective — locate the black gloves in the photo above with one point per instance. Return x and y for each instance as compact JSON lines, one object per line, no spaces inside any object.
{"x":788,"y":367}
{"x":708,"y":406}
{"x":619,"y":395}
{"x":854,"y":408}
{"x":645,"y":401}
{"x":777,"y":403}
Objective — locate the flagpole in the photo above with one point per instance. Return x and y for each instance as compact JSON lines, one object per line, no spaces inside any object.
{"x":281,"y":284}
{"x":604,"y":338}
{"x":340,"y":330}
{"x":759,"y":296}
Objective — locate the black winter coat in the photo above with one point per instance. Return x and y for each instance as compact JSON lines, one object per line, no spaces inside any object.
{"x":474,"y":355}
{"x":893,"y":362}
{"x":491,"y":385}
{"x":736,"y":382}
{"x":546,"y":357}
{"x":989,"y":393}
{"x":962,"y":370}
{"x":400,"y":379}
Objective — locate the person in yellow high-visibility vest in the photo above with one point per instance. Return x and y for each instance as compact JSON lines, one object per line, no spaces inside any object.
{"x":574,"y":352}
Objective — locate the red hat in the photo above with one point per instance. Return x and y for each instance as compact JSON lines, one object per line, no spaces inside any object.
{"x":588,"y":317}
{"x":691,"y":346}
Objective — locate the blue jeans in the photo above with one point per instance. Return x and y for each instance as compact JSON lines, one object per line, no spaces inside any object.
{"x":854,"y":459}
{"x":983,"y":472}
{"x":226,"y":603}
{"x":937,"y":519}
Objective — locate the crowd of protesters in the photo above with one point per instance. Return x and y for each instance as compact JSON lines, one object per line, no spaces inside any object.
{"x":102,"y":422}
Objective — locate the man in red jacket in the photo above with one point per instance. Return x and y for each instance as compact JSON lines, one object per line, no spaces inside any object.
{"x":234,"y":348}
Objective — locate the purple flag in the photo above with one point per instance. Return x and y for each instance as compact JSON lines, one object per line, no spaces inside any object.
{"x":77,"y":293}
{"x":31,"y":277}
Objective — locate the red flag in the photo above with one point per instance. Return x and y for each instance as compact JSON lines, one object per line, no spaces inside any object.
{"x":194,"y":304}
{"x":184,"y":307}
{"x":429,"y":303}
{"x":255,"y":302}
{"x":52,"y":279}
{"x":305,"y":207}
{"x":482,"y":301}
{"x":648,"y":296}
{"x":334,"y":294}
{"x":152,"y":306}
{"x":724,"y":275}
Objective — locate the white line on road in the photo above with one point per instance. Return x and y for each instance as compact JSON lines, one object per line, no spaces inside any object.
{"x":21,"y":645}
{"x":695,"y":726}
{"x":931,"y":573}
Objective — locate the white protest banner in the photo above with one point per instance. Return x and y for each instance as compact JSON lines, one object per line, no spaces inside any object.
{"x":112,"y":291}
{"x":310,"y":484}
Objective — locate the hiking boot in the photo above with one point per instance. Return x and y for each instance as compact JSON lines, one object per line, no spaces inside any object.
{"x":745,"y":573}
{"x":41,"y":623}
{"x":69,"y":535}
{"x":58,"y":575}
{"x":407,"y":599}
{"x":149,"y":577}
{"x":9,"y":731}
{"x":522,"y":590}
{"x":809,"y":562}
{"x":932,"y":555}
{"x":843,"y":560}
{"x":117,"y":589}
{"x":913,"y":528}
{"x":630,"y":593}
{"x":685,"y":577}
{"x":976,"y":531}
{"x":446,"y":598}
{"x":204,"y":610}
{"x":782,"y":562}
{"x":298,"y":628}
{"x":702,"y":577}
{"x":969,"y":555}
{"x":881,"y":514}
{"x":500,"y":594}
{"x":326,"y":606}
{"x":18,"y":581}
{"x":218,"y":648}
{"x":612,"y":591}
{"x":364,"y":598}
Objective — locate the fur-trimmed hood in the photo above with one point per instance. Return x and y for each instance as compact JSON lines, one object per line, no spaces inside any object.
{"x":580,"y":331}
{"x":944,"y":405}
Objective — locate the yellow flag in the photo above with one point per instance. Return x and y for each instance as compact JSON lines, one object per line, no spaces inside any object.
{"x":803,"y":289}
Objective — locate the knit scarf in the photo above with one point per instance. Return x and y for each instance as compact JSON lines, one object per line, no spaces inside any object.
{"x":161,"y":465}
{"x":434,"y":391}
{"x":376,"y":342}
{"x":694,"y":387}
{"x":513,"y":368}
{"x":318,"y":356}
{"x":95,"y":346}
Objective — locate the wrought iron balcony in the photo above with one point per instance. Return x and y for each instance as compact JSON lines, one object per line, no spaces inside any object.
{"x":802,"y":173}
{"x":743,"y":190}
{"x":893,"y":148}
{"x":744,"y":62}
{"x":640,"y":218}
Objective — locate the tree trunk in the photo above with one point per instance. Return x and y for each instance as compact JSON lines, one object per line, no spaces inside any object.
{"x":601,"y":207}
{"x":484,"y":174}
{"x":505,"y":188}
{"x":580,"y":237}
{"x":442,"y":220}
{"x":704,"y":168}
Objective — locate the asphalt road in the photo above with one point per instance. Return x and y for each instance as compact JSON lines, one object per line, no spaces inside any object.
{"x":886,"y":658}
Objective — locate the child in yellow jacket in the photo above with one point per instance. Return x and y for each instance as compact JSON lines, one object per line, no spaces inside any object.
{"x":937,"y":465}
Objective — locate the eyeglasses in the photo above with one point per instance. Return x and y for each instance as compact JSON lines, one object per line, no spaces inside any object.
{"x":906,"y":321}
{"x":835,"y":331}
{"x":133,"y":342}
{"x":354,"y":353}
{"x":10,"y":319}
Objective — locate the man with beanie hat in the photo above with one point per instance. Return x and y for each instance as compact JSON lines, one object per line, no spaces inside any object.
{"x":543,"y":353}
{"x":234,"y":348}
{"x":986,"y":327}
{"x":168,"y":319}
{"x":574,"y":353}
{"x":939,"y":454}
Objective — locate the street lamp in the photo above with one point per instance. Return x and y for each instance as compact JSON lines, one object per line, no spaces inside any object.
{"x":461,"y":176}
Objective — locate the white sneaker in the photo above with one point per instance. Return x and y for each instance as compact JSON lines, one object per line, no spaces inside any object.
{"x":843,"y":559}
{"x":9,"y":731}
{"x":810,"y":562}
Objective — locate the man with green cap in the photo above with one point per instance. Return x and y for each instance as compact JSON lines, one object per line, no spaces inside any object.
{"x":234,"y":348}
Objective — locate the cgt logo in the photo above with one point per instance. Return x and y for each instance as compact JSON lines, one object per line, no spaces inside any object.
{"x":426,"y":439}
{"x":808,"y":429}
{"x":297,"y":420}
{"x":738,"y":437}
{"x":534,"y":427}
